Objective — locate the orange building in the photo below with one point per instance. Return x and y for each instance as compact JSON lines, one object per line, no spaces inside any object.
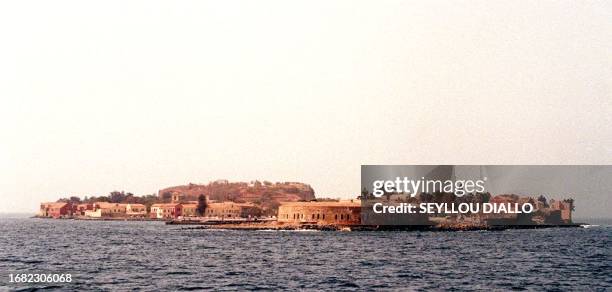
{"x":55,"y":210}
{"x":322,"y":213}
{"x":232,"y":210}
{"x":189,"y":209}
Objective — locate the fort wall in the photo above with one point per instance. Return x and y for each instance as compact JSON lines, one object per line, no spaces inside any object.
{"x":321,"y":213}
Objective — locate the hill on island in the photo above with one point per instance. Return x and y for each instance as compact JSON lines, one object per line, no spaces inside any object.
{"x":263,"y":193}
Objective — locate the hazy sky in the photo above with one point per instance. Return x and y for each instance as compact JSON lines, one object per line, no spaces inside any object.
{"x":141,"y":95}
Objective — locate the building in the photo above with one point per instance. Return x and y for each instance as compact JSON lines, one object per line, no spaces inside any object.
{"x":556,"y":213}
{"x":177,"y":197}
{"x":81,"y":208}
{"x":55,"y":210}
{"x":166,"y":211}
{"x":135,"y":210}
{"x":189,"y":209}
{"x":105,"y":209}
{"x":43,"y":211}
{"x":565,"y":209}
{"x":96,"y":213}
{"x":232,"y":210}
{"x":321,"y":213}
{"x":114,"y":209}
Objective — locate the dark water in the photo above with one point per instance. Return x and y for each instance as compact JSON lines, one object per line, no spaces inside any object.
{"x":118,"y":256}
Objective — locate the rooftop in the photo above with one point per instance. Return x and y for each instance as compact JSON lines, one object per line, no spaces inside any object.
{"x":166,"y":205}
{"x":55,"y":204}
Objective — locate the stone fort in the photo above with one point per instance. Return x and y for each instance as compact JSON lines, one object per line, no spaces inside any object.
{"x":321,"y":213}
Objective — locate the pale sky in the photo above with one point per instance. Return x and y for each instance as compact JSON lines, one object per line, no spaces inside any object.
{"x":97,"y":96}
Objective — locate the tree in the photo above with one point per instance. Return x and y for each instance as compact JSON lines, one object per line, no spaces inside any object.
{"x":116,"y":197}
{"x":103,"y":199}
{"x":166,"y":197}
{"x":365,"y":194}
{"x":130,"y":198}
{"x":75,"y":200}
{"x":482,"y":198}
{"x":542,"y":199}
{"x":202,"y":204}
{"x":149,"y":200}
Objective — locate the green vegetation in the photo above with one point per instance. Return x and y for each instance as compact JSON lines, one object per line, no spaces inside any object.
{"x":115,"y":197}
{"x":202,"y":204}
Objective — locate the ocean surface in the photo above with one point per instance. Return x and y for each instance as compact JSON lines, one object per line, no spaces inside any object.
{"x":149,"y":256}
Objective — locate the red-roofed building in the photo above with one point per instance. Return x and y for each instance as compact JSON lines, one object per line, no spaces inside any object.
{"x":55,"y":210}
{"x":166,"y":211}
{"x":81,"y":208}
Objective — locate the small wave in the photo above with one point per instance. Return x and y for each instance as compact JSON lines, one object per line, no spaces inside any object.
{"x":26,"y":261}
{"x":38,"y":288}
{"x":194,"y":288}
{"x":349,"y":285}
{"x":179,"y":273}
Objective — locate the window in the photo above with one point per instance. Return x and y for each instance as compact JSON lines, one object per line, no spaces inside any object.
{"x":341,"y":216}
{"x":317,"y":216}
{"x":348,"y":216}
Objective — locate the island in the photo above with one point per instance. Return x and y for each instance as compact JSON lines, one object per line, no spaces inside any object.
{"x":259,"y":205}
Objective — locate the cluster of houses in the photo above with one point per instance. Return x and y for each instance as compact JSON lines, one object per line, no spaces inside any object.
{"x":155,"y":211}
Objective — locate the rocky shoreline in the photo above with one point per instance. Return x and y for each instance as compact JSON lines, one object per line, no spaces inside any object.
{"x":84,"y":218}
{"x":254,"y":226}
{"x":273,"y":225}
